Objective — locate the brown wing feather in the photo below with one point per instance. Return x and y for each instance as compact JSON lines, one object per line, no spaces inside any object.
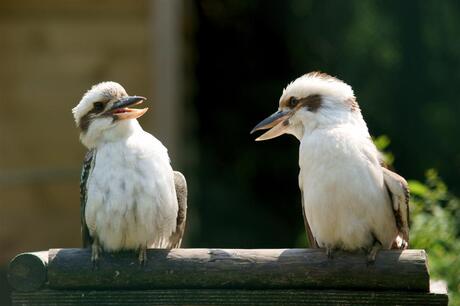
{"x":398,"y":190}
{"x":181,"y":193}
{"x":88,"y":164}
{"x":311,"y":240}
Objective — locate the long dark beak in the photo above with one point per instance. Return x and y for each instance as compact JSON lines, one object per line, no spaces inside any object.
{"x":277,"y":123}
{"x":121,"y":111}
{"x":126,"y":101}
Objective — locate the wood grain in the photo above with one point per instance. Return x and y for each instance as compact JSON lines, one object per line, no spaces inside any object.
{"x":226,"y":297}
{"x":239,"y":269}
{"x":27,"y":271}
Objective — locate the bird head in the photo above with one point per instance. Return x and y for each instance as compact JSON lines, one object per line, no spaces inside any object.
{"x":105,"y":107}
{"x":313,"y":100}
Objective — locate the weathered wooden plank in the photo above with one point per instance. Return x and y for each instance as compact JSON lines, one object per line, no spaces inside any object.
{"x":227,"y":297}
{"x":27,"y":271}
{"x":239,"y":268}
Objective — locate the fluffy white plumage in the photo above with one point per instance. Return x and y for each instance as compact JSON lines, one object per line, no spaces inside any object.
{"x":99,"y":92}
{"x":130,"y":194}
{"x":346,"y":200}
{"x":131,"y":197}
{"x":320,"y":84}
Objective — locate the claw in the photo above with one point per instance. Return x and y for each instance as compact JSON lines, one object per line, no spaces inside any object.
{"x":96,"y":250}
{"x":329,"y":252}
{"x":143,"y":255}
{"x":373,"y":252}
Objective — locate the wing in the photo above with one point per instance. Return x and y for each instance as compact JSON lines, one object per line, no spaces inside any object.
{"x":88,"y":164}
{"x":311,"y":240}
{"x":399,"y":194}
{"x":181,"y":193}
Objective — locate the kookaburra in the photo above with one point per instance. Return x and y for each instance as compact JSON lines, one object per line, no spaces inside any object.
{"x":130,"y":196}
{"x":350,"y":201}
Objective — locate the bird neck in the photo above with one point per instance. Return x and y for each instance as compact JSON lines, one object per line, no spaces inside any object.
{"x":118,"y":132}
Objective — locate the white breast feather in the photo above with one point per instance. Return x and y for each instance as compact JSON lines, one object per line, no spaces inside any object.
{"x":131,"y":194}
{"x":345,"y":199}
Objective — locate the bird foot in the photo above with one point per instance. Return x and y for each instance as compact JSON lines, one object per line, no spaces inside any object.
{"x":96,"y":251}
{"x":329,"y":252}
{"x":373,"y":252}
{"x":143,"y":255}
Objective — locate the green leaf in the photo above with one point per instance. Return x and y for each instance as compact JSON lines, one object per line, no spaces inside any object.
{"x":418,"y":188}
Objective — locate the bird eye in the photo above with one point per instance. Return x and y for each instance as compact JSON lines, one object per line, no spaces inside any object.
{"x":98,"y":106}
{"x":293,"y":101}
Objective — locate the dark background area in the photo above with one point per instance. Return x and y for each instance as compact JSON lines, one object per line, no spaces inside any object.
{"x":401,"y":58}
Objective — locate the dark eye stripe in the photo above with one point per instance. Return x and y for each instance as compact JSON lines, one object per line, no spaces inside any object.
{"x":86,"y":119}
{"x":98,"y":106}
{"x":84,"y":122}
{"x":293,"y":101}
{"x":312,"y":102}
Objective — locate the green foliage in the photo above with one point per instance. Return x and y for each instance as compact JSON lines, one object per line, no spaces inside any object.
{"x":382,"y":142}
{"x":435,"y":224}
{"x":435,"y":227}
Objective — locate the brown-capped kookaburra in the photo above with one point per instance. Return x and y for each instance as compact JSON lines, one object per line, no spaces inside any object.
{"x":131,"y":198}
{"x":350,"y":200}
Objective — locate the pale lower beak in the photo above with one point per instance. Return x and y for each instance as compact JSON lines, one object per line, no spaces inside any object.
{"x":121,"y":110}
{"x":277,"y":123}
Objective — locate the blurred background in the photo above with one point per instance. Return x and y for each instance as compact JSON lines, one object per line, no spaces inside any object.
{"x":212,"y":69}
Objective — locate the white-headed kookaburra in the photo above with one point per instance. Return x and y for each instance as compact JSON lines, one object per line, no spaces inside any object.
{"x":350,"y":200}
{"x":131,"y":198}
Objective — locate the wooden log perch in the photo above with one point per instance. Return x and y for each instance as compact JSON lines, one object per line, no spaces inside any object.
{"x":71,"y":269}
{"x":28,"y":271}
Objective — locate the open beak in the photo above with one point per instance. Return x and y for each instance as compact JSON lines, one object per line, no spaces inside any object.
{"x":121,"y":110}
{"x":277,"y":123}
